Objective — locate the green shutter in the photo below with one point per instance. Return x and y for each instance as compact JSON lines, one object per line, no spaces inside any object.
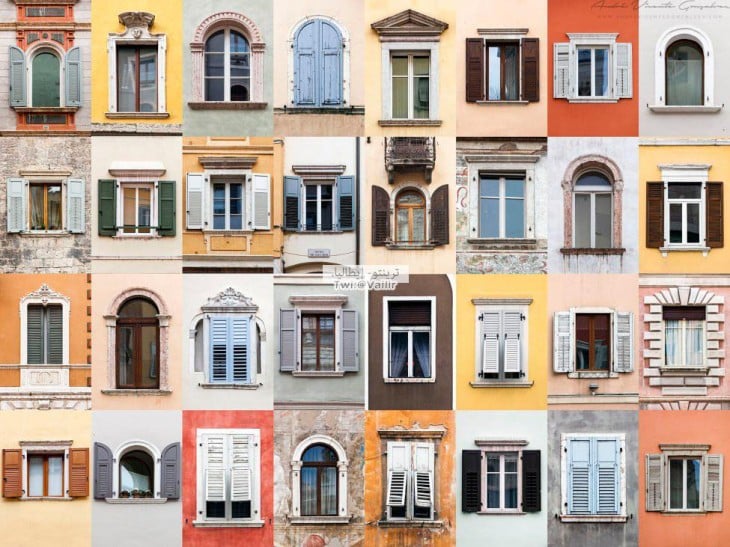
{"x":54,"y":330}
{"x":35,"y":335}
{"x":107,"y":207}
{"x":166,"y":207}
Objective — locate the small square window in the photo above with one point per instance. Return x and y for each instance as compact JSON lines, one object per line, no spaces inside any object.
{"x":45,"y":475}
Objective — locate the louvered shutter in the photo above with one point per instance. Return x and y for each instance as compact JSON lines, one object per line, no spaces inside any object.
{"x":512,"y":341}
{"x":261,"y":201}
{"x":531,"y":69}
{"x":35,"y":335}
{"x":423,"y":463}
{"x":241,"y":468}
{"x":475,"y":70}
{"x":714,"y":218}
{"x":399,"y":458}
{"x":624,"y":87}
{"x":103,"y":471}
{"x":195,"y":185}
{"x":18,"y":94}
{"x":654,"y":482}
{"x":350,"y":353}
{"x":17,"y":204}
{"x":713,"y":482}
{"x":240,"y":349}
{"x":75,"y":206}
{"x":563,"y":333}
{"x":608,"y":479}
{"x":54,"y":334}
{"x":346,"y":197}
{"x":78,"y":472}
{"x":471,"y":481}
{"x":166,"y":207}
{"x":579,"y":476}
{"x":219,"y":342}
{"x":107,"y":207}
{"x":305,"y":65}
{"x":288,"y":340}
{"x":73,"y":77}
{"x":170,"y":472}
{"x":12,"y":473}
{"x":561,"y":67}
{"x":655,"y":215}
{"x":531,"y":488}
{"x":215,"y":470}
{"x":490,"y":330}
{"x":623,"y":341}
{"x":291,"y":203}
{"x":440,"y":215}
{"x":330,"y":91}
{"x":380,"y":216}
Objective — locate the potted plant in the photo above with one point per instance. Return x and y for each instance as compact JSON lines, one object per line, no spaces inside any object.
{"x":124,"y":494}
{"x":136,"y":493}
{"x":148,"y":494}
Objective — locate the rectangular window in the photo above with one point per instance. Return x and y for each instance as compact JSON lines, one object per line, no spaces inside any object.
{"x":501,"y":477}
{"x":501,"y":343}
{"x":503,"y":80}
{"x":592,"y":341}
{"x":409,"y":339}
{"x":685,"y":204}
{"x":592,"y":220}
{"x":137,"y":78}
{"x":593,"y":71}
{"x":137,"y":204}
{"x":410,"y":85}
{"x":410,"y":486}
{"x":228,"y":204}
{"x":684,"y":483}
{"x":45,"y":334}
{"x":45,"y":206}
{"x":45,"y":475}
{"x":684,"y":335}
{"x":502,"y":206}
{"x":231,"y":355}
{"x":593,"y":468}
{"x":318,"y":342}
{"x":318,"y":206}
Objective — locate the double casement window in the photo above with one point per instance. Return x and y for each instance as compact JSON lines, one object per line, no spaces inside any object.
{"x":684,"y":336}
{"x":410,"y":217}
{"x":137,"y":78}
{"x":685,"y":66}
{"x":137,"y":207}
{"x":45,"y":77}
{"x":41,"y":206}
{"x":593,"y":340}
{"x":410,"y":335}
{"x":229,"y":477}
{"x":592,"y":67}
{"x":684,"y":478}
{"x":410,"y":85}
{"x":319,"y":203}
{"x":137,"y":343}
{"x":501,"y":340}
{"x":227,"y":72}
{"x":45,"y":334}
{"x":410,"y":481}
{"x":319,"y":53}
{"x":502,"y":206}
{"x":593,"y":477}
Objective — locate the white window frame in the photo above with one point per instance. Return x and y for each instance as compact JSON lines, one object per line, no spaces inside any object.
{"x":684,"y":508}
{"x":152,"y":184}
{"x":319,"y":182}
{"x":593,"y":49}
{"x":333,"y":304}
{"x":227,"y":64}
{"x":44,"y":296}
{"x":388,"y":49}
{"x":502,"y":177}
{"x":410,"y":77}
{"x":239,"y":177}
{"x":683,"y":342}
{"x":409,"y":484}
{"x":488,"y":446}
{"x":502,"y":479}
{"x":687,"y":173}
{"x":593,"y":191}
{"x":386,"y":339}
{"x":32,"y":448}
{"x":152,"y":451}
{"x":594,"y":41}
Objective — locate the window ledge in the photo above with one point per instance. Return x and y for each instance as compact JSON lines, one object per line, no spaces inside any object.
{"x":226,"y":105}
{"x":501,"y":383}
{"x":593,"y":518}
{"x":340,"y":110}
{"x":502,"y":102}
{"x":47,"y":498}
{"x":138,"y":115}
{"x":409,"y":380}
{"x":228,"y":524}
{"x":136,"y":236}
{"x":592,"y":374}
{"x":703,"y":109}
{"x":316,"y":232}
{"x":501,"y":513}
{"x":592,"y":100}
{"x":503,"y":244}
{"x":135,"y":392}
{"x":411,"y":523}
{"x":212,"y":232}
{"x":409,"y":246}
{"x":319,"y":520}
{"x":686,"y":512}
{"x":318,"y":373}
{"x":229,"y":386}
{"x":593,"y":251}
{"x":683,"y":371}
{"x":135,"y":501}
{"x":44,"y":233}
{"x":45,"y":109}
{"x":696,"y":249}
{"x":409,"y":123}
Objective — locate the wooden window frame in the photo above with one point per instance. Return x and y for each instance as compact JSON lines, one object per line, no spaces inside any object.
{"x":592,"y":341}
{"x":318,"y":315}
{"x":410,"y":208}
{"x":697,"y":46}
{"x":227,"y":65}
{"x":137,"y":72}
{"x":46,"y":456}
{"x":136,"y":323}
{"x":318,"y":466}
{"x":45,"y":185}
{"x":502,"y":62}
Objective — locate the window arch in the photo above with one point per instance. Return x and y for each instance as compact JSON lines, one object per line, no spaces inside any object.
{"x":410,"y":216}
{"x":319,"y":478}
{"x":136,"y":473}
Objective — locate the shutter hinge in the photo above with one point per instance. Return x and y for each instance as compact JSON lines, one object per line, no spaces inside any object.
{"x":522,"y":317}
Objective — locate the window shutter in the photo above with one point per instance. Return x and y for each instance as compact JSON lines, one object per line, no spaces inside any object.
{"x":107,"y":207}
{"x":563,"y":357}
{"x":531,"y":69}
{"x":331,"y":64}
{"x":73,"y":77}
{"x":103,"y":471}
{"x":240,"y":349}
{"x":512,"y":344}
{"x":17,"y":77}
{"x":170,"y":472}
{"x":17,"y":205}
{"x":75,"y":206}
{"x":490,"y":330}
{"x":531,"y":489}
{"x":607,"y":465}
{"x":654,"y":482}
{"x":78,"y":472}
{"x":714,"y":215}
{"x":35,"y":335}
{"x":471,"y":481}
{"x":55,"y":335}
{"x":399,"y":458}
{"x":350,"y":353}
{"x":381,"y":216}
{"x":12,"y":473}
{"x":346,"y":195}
{"x":623,"y":341}
{"x":166,"y":207}
{"x":219,"y":342}
{"x":241,"y":468}
{"x":440,"y":215}
{"x":288,"y":340}
{"x":713,"y":482}
{"x":291,"y":203}
{"x":579,"y":476}
{"x":654,"y":215}
{"x":475,"y":70}
{"x":215,"y":471}
{"x":261,"y":201}
{"x":304,"y":65}
{"x":561,"y":62}
{"x":195,"y":184}
{"x":423,"y":474}
{"x":623,"y":70}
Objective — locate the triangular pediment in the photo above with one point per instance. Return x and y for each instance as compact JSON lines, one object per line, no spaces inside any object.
{"x":409,"y":23}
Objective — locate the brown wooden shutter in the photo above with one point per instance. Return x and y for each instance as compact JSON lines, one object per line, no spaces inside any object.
{"x":474,"y":70}
{"x":654,"y":215}
{"x":12,"y":473}
{"x":440,"y":215}
{"x":531,"y":69}
{"x":677,"y":313}
{"x":409,"y":313}
{"x":713,"y":215}
{"x":78,"y":475}
{"x":381,"y":216}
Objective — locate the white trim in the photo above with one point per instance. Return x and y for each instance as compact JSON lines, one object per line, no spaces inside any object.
{"x":46,"y":46}
{"x":387,"y":50}
{"x":514,"y":306}
{"x":486,"y":451}
{"x":45,"y":448}
{"x":144,"y":446}
{"x":386,"y":339}
{"x":296,"y":466}
{"x":685,"y":173}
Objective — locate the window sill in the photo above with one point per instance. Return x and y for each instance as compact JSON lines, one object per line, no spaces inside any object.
{"x":212,"y":232}
{"x":501,"y":513}
{"x":502,"y":102}
{"x":409,"y":380}
{"x":226,"y":105}
{"x":134,"y":392}
{"x":228,"y":524}
{"x":318,"y":520}
{"x":697,"y":249}
{"x":338,"y":110}
{"x":47,"y":498}
{"x":45,"y":109}
{"x":136,"y":236}
{"x":44,"y":233}
{"x":572,"y":251}
{"x":315,"y":232}
{"x":229,"y":386}
{"x":592,"y":100}
{"x":595,"y":374}
{"x":593,"y":518}
{"x":409,"y":123}
{"x":683,"y":512}
{"x":503,"y":244}
{"x":664,"y":109}
{"x":135,"y":501}
{"x":410,"y":523}
{"x":318,"y":374}
{"x":137,"y":115}
{"x":409,"y":246}
{"x":501,"y":383}
{"x":683,"y":371}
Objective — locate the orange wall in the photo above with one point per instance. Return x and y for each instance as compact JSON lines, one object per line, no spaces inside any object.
{"x":703,"y":427}
{"x":602,"y":119}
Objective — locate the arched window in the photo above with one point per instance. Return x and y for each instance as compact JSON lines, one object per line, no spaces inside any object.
{"x":46,"y":80}
{"x":410,"y":217}
{"x":227,"y":67}
{"x":138,"y":335}
{"x":592,"y":210}
{"x":318,"y":67}
{"x":319,"y":481}
{"x":685,"y":74}
{"x":137,"y":473}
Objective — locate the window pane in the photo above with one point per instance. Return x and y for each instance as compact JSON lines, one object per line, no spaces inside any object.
{"x":684,"y":190}
{"x":37,"y":207}
{"x":582,"y":341}
{"x":419,"y":225}
{"x":672,"y":333}
{"x":694,"y":342}
{"x":148,"y":79}
{"x":239,"y":44}
{"x":144,"y":209}
{"x":400,"y":97}
{"x":215,"y":509}
{"x":493,"y":490}
{"x":135,"y":471}
{"x":126,"y":79}
{"x":421,"y":355}
{"x":310,"y":215}
{"x":693,"y":223}
{"x":593,"y":179}
{"x":126,"y":355}
{"x":137,"y":307}
{"x":240,"y":67}
{"x":603,"y":220}
{"x":685,"y":63}
{"x":675,"y":223}
{"x":584,"y":72}
{"x":35,"y":476}
{"x":602,"y":341}
{"x":235,"y":191}
{"x":510,"y":490}
{"x":308,"y":492}
{"x":398,"y":365}
{"x":309,"y":342}
{"x":46,"y":80}
{"x":55,"y":475}
{"x":511,"y":73}
{"x":420,"y":97}
{"x":514,"y":188}
{"x":601,"y":68}
{"x":400,"y":66}
{"x":420,"y":66}
{"x":693,"y":484}
{"x":675,"y":484}
{"x":582,"y":228}
{"x":240,"y":89}
{"x":54,"y":207}
{"x":495,"y":80}
{"x":216,"y":42}
{"x":214,"y":89}
{"x":328,"y":492}
{"x":326,"y":342}
{"x":514,"y":218}
{"x":326,"y":214}
{"x":402,"y":225}
{"x":241,"y":509}
{"x":148,"y":357}
{"x":319,"y":453}
{"x":130,"y":204}
{"x":214,"y":64}
{"x":219,"y":206}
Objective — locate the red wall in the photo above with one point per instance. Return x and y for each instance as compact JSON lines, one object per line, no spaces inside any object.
{"x":602,"y":119}
{"x":220,"y":537}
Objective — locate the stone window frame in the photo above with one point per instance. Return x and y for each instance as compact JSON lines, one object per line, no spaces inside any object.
{"x":211,"y":24}
{"x":422,"y":189}
{"x":501,"y":446}
{"x":44,"y":296}
{"x":696,"y":173}
{"x":30,"y":448}
{"x":119,"y":453}
{"x":46,"y":46}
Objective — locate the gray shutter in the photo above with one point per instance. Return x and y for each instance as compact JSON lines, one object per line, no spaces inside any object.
{"x":654,"y":482}
{"x":195,"y":184}
{"x":75,"y":206}
{"x":563,"y":356}
{"x":17,"y":77}
{"x":347,"y":206}
{"x":170,"y":472}
{"x":73,"y":77}
{"x":350,"y":354}
{"x":623,"y":346}
{"x":17,"y":205}
{"x":166,"y":207}
{"x":291,"y":203}
{"x":103,"y":471}
{"x":54,"y":334}
{"x":561,"y":66}
{"x":35,"y":335}
{"x":261,"y":201}
{"x":623,"y":84}
{"x":713,"y":482}
{"x":287,"y":340}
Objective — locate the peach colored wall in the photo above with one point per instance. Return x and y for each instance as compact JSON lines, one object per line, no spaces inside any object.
{"x":685,"y":427}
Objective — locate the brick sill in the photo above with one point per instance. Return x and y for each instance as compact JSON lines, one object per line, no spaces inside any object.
{"x":226,"y":105}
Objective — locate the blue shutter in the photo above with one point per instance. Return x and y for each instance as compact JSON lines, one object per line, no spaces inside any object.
{"x":346,"y":197}
{"x":305,"y":55}
{"x":579,"y":477}
{"x":18,"y":96}
{"x":239,"y":351}
{"x":218,"y":349}
{"x":291,"y":203}
{"x":607,"y":456}
{"x":330,"y":68}
{"x":73,"y":77}
{"x":17,"y":205}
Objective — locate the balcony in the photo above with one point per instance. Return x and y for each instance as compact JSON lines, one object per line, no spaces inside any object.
{"x":410,"y":154}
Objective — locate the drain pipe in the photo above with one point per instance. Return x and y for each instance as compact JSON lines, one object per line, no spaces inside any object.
{"x":358,"y":203}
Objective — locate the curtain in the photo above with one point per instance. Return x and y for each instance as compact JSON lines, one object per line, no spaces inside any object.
{"x":54,"y":208}
{"x":398,"y":355}
{"x":694,"y":343}
{"x":684,"y":82}
{"x":55,"y":476}
{"x":510,"y":73}
{"x":329,"y":491}
{"x":36,"y":208}
{"x":422,"y":351}
{"x":672,"y":343}
{"x":308,"y":492}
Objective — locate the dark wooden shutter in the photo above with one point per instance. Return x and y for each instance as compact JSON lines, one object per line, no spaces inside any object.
{"x":531,"y":481}
{"x":12,"y":473}
{"x":654,"y":215}
{"x":78,"y":473}
{"x":103,"y":471}
{"x":291,"y":203}
{"x":713,"y":215}
{"x":381,"y":216}
{"x":678,"y":313}
{"x":474,"y":70}
{"x":531,"y":69}
{"x":346,"y":196}
{"x":471,"y":481}
{"x":170,"y":472}
{"x":166,"y":207}
{"x":107,"y":207}
{"x":440,"y":215}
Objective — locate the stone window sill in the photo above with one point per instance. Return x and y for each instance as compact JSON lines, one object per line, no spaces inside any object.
{"x":501,"y":513}
{"x":410,"y":523}
{"x":703,"y":109}
{"x":409,"y":123}
{"x":683,"y":371}
{"x":697,"y":249}
{"x":501,"y":383}
{"x":226,"y":105}
{"x":409,"y":246}
{"x":409,"y":380}
{"x":314,"y":232}
{"x":319,"y":520}
{"x":44,"y":233}
{"x":591,"y":251}
{"x":46,"y":498}
{"x":135,"y":392}
{"x":591,"y":375}
{"x":137,"y":115}
{"x":502,"y":102}
{"x":593,"y":518}
{"x":503,"y":244}
{"x":228,"y":524}
{"x":685,"y":512}
{"x":592,"y":100}
{"x":136,"y":236}
{"x":233,"y":233}
{"x":229,"y":386}
{"x":318,"y":373}
{"x":334,"y":110}
{"x":135,"y":501}
{"x":45,"y":109}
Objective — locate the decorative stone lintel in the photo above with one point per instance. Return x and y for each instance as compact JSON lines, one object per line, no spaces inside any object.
{"x":431,"y":433}
{"x":228,"y":162}
{"x":319,"y":300}
{"x":528,"y":157}
{"x":409,"y":24}
{"x":501,"y":301}
{"x":499,"y":32}
{"x":46,"y":173}
{"x":45,"y":294}
{"x":229,"y":301}
{"x":46,"y":444}
{"x":490,"y":442}
{"x":137,"y":169}
{"x":314,"y":170}
{"x":134,"y":19}
{"x":682,"y":447}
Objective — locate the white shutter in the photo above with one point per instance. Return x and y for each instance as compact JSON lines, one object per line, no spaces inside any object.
{"x":399,"y":457}
{"x":609,"y":480}
{"x":241,"y":468}
{"x":215,"y":469}
{"x":423,"y":464}
{"x":623,"y":337}
{"x":261,"y":201}
{"x":655,"y":482}
{"x":17,"y":204}
{"x":195,"y":186}
{"x":713,"y":482}
{"x":512,"y":341}
{"x":561,"y":78}
{"x":490,"y":328}
{"x":563,"y":357}
{"x":623,"y":89}
{"x":75,"y":210}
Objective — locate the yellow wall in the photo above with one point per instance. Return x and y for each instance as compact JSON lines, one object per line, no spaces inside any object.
{"x":168,"y":21}
{"x":501,"y":286}
{"x":650,"y":157}
{"x":36,"y":523}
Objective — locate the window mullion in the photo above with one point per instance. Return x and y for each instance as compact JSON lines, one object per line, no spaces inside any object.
{"x":593,"y":72}
{"x":502,"y":207}
{"x":226,"y":65}
{"x":318,"y":208}
{"x":411,"y":106}
{"x":592,"y":220}
{"x":502,"y":485}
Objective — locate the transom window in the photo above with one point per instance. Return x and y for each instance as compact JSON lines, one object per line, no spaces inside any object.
{"x":227,"y":67}
{"x":685,"y":77}
{"x":684,"y":483}
{"x":501,"y":206}
{"x":685,"y":205}
{"x":45,"y":334}
{"x":409,"y":339}
{"x":593,"y":211}
{"x":503,"y":80}
{"x":45,"y":206}
{"x":137,"y":345}
{"x":592,"y":341}
{"x":593,"y":71}
{"x":228,"y":204}
{"x":502,"y":477}
{"x":410,"y":217}
{"x":45,"y":475}
{"x":684,"y":336}
{"x":137,"y":78}
{"x":410,"y":74}
{"x":137,"y":208}
{"x":319,"y":481}
{"x":318,"y":341}
{"x":318,"y":206}
{"x":136,"y":474}
{"x":46,"y":80}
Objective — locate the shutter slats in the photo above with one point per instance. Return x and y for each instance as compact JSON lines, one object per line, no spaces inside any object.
{"x":410,"y":313}
{"x":713,"y":482}
{"x":54,"y":323}
{"x":607,"y":465}
{"x":107,"y":207}
{"x":18,"y":93}
{"x":195,"y":184}
{"x":261,"y":201}
{"x":380,"y":216}
{"x":440,"y":215}
{"x":512,"y":345}
{"x":654,"y":215}
{"x":579,"y":476}
{"x":624,"y":87}
{"x":75,"y":206}
{"x":17,"y":205}
{"x":350,"y":341}
{"x":241,"y":468}
{"x":103,"y":471}
{"x":654,"y":482}
{"x":475,"y":80}
{"x":714,"y":218}
{"x":346,"y":196}
{"x":531,"y":69}
{"x":166,"y":207}
{"x":490,"y":327}
{"x":561,"y":62}
{"x":423,"y":469}
{"x":531,"y":488}
{"x":396,"y":488}
{"x":291,"y":203}
{"x":287,"y":340}
{"x":305,"y":65}
{"x":471,"y":482}
{"x":399,"y":457}
{"x":330,"y":59}
{"x":12,"y":473}
{"x":78,"y":473}
{"x":170,"y":473}
{"x":240,"y":354}
{"x":563,"y":342}
{"x":73,"y":77}
{"x":218,"y":349}
{"x":623,"y":344}
{"x":35,"y":326}
{"x":215,"y":472}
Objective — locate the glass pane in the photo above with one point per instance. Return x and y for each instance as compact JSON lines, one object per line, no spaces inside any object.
{"x":309,"y":342}
{"x":37,"y":207}
{"x":400,"y":87}
{"x":684,"y":190}
{"x":693,"y":484}
{"x":214,"y":64}
{"x":319,"y":453}
{"x":137,"y":307}
{"x":584,"y":72}
{"x":144,"y":209}
{"x":216,"y":42}
{"x":148,"y":79}
{"x":240,"y":89}
{"x":326,"y":191}
{"x":601,"y":68}
{"x":511,"y":73}
{"x":693,"y":223}
{"x":214,"y":89}
{"x":510,"y":464}
{"x":510,"y":490}
{"x":326,"y":213}
{"x":240,"y":67}
{"x":420,"y":97}
{"x":400,"y":66}
{"x":514,"y":218}
{"x":420,"y":66}
{"x":410,"y":198}
{"x":148,"y":357}
{"x":308,"y":492}
{"x":126,"y":79}
{"x":602,"y":341}
{"x":489,"y":217}
{"x":582,"y":228}
{"x":603,"y":221}
{"x":235,"y":191}
{"x":398,"y":365}
{"x":54,"y":207}
{"x":402,"y":225}
{"x":684,"y":78}
{"x":129,"y":205}
{"x":419,"y":225}
{"x":241,"y":509}
{"x":514,"y":188}
{"x":215,"y":509}
{"x":35,"y":476}
{"x":492,"y":463}
{"x":694,"y":342}
{"x":495,"y":79}
{"x":239,"y":44}
{"x":421,"y":355}
{"x":46,"y":80}
{"x":126,"y":356}
{"x":676,"y":481}
{"x":672,"y":349}
{"x":326,"y":342}
{"x":593,"y":179}
{"x":328,"y":492}
{"x":55,"y":475}
{"x":135,"y":472}
{"x":675,"y":223}
{"x":493,"y":490}
{"x":582,"y":341}
{"x":310,"y":215}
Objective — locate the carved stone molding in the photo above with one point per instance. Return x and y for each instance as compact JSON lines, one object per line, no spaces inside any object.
{"x":230,"y":301}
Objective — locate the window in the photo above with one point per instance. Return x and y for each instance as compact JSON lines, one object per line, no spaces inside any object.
{"x":45,"y":206}
{"x":410,"y":493}
{"x":137,"y":78}
{"x":45,"y":475}
{"x":410,"y":217}
{"x":41,"y":205}
{"x":227,"y":67}
{"x":410,"y":330}
{"x":320,"y":59}
{"x":684,"y":478}
{"x":501,"y":206}
{"x":136,"y":474}
{"x":501,"y":340}
{"x":46,"y":83}
{"x":318,"y":207}
{"x":684,"y":203}
{"x":231,"y":350}
{"x":592,"y":71}
{"x":317,"y":202}
{"x":51,"y":79}
{"x":45,"y":334}
{"x":137,"y":332}
{"x":592,"y":341}
{"x":410,"y":74}
{"x":685,"y":65}
{"x":136,"y":208}
{"x":684,"y":336}
{"x":593,"y":475}
{"x":592,"y":210}
{"x":228,"y":205}
{"x":228,"y":487}
{"x":318,"y":342}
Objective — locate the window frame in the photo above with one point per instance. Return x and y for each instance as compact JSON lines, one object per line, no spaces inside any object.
{"x":45,"y":456}
{"x":150,"y":183}
{"x":501,"y":44}
{"x":690,"y":173}
{"x":318,"y":315}
{"x":593,"y":191}
{"x":319,"y":181}
{"x":593,"y":68}
{"x":227,"y":182}
{"x":591,"y":344}
{"x":138,"y":71}
{"x":488,"y":305}
{"x":684,"y":202}
{"x":410,"y":223}
{"x":409,"y":497}
{"x":387,"y":329}
{"x":502,"y":455}
{"x":46,"y":186}
{"x":701,"y":489}
{"x":31,"y":55}
{"x":410,"y":78}
{"x":502,"y":198}
{"x":153,"y":472}
{"x":227,"y":64}
{"x":137,"y":323}
{"x":44,"y":296}
{"x":683,"y":341}
{"x":319,"y":466}
{"x":40,"y":448}
{"x":677,"y":43}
